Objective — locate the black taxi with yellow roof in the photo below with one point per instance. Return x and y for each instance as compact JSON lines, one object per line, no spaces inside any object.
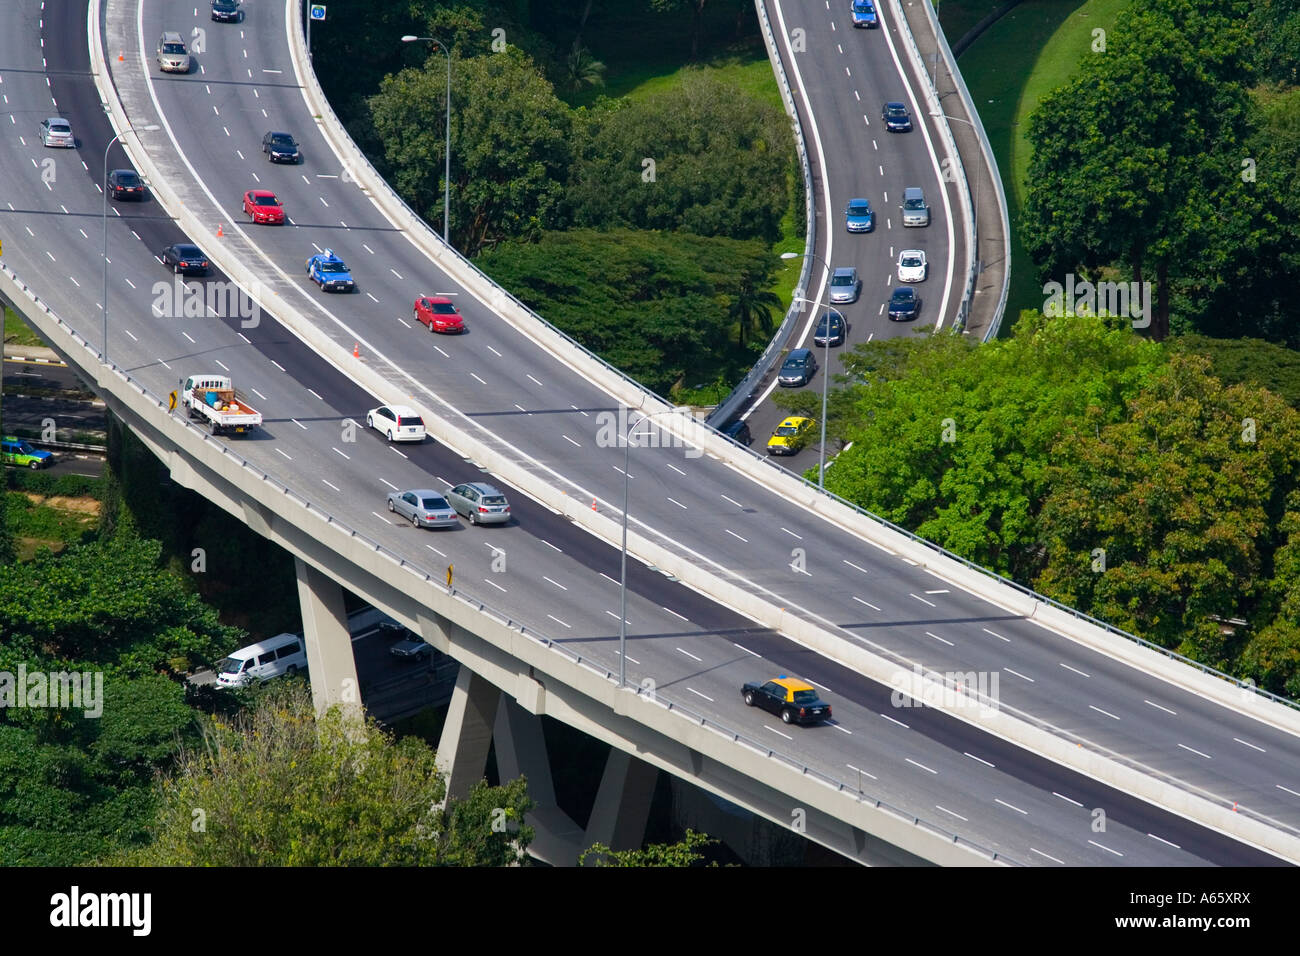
{"x":795,"y":701}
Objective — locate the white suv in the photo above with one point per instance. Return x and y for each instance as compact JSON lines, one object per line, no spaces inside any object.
{"x":396,"y":422}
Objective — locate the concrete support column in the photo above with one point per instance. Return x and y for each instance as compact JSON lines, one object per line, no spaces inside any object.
{"x":467,"y":734}
{"x":329,"y":643}
{"x":521,"y":751}
{"x":622,"y":806}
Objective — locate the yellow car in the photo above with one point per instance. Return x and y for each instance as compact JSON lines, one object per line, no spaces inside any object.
{"x":790,"y":436}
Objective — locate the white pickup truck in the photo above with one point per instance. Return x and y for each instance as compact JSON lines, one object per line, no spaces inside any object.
{"x":213,"y":398}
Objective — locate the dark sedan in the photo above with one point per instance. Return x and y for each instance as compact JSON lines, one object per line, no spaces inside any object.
{"x":904,"y":304}
{"x":797,"y":369}
{"x":830,"y":329}
{"x":795,"y":701}
{"x":185,"y":258}
{"x":896,"y":118}
{"x":226,"y":11}
{"x":125,"y":184}
{"x":280,"y":148}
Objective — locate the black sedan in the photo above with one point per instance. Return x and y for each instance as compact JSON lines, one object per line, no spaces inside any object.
{"x":280,"y":148}
{"x":125,"y":184}
{"x":904,"y":304}
{"x":896,"y":118}
{"x":226,"y":11}
{"x":186,"y":259}
{"x":830,"y":327}
{"x":794,"y":700}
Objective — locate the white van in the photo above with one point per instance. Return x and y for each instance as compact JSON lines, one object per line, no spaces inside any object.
{"x":282,"y":654}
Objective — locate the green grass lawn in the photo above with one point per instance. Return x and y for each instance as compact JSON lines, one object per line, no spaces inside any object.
{"x":17,"y":332}
{"x":958,"y":16}
{"x":1007,"y":79}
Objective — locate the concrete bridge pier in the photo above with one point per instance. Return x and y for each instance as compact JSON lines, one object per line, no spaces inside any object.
{"x":330,"y":662}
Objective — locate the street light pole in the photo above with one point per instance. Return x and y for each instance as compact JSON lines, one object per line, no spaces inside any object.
{"x":104,"y":251}
{"x":622,"y":577}
{"x":826,"y":371}
{"x":446,"y":176}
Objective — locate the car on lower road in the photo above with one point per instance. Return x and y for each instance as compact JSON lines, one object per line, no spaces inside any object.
{"x":790,"y":436}
{"x":185,"y":258}
{"x":896,"y":118}
{"x":845,"y":285}
{"x":125,"y":184}
{"x":396,"y":422}
{"x":423,"y":508}
{"x":858,"y":216}
{"x":797,"y":369}
{"x":480,"y":502}
{"x":262,"y":205}
{"x":281,"y":148}
{"x":56,"y":131}
{"x":904,"y":304}
{"x":794,"y":701}
{"x":439,"y":313}
{"x":912,"y":265}
{"x":15,"y":451}
{"x":330,"y":272}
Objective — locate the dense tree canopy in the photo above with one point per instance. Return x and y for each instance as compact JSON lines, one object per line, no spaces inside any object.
{"x":696,"y":157}
{"x":655,"y":305}
{"x":277,"y":787}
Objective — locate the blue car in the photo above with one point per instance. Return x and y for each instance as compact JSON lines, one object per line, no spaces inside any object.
{"x":330,"y":272}
{"x":864,"y":14}
{"x":858,"y":216}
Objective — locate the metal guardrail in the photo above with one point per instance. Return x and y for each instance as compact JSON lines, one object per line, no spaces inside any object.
{"x":959,"y":84}
{"x":433,"y":580}
{"x":936,"y":111}
{"x":742,"y":392}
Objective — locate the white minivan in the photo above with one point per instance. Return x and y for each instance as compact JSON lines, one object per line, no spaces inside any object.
{"x":282,"y":654}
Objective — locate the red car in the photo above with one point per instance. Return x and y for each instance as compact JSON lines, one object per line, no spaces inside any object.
{"x":439,"y":314}
{"x":262,"y":206}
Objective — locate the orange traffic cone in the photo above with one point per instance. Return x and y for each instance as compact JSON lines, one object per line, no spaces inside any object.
{"x":356,"y":350}
{"x":120,"y":57}
{"x":219,"y":232}
{"x":593,"y":504}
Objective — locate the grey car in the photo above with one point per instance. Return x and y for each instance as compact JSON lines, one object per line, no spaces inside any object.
{"x":424,"y":508}
{"x":797,"y":368}
{"x":56,"y":131}
{"x":480,"y":502}
{"x":845,"y":285}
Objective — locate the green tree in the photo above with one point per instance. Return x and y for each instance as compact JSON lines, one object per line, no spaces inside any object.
{"x":752,"y":308}
{"x":1183,"y":497}
{"x":278,"y":787}
{"x":652,"y":304}
{"x":953,"y":441}
{"x":110,"y":603}
{"x":1144,"y":139}
{"x":702,"y":156}
{"x":682,"y":853}
{"x":509,"y":141}
{"x":581,"y":69}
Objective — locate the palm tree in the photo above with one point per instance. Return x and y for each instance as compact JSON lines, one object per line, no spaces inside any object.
{"x":581,"y":69}
{"x":751,"y":308}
